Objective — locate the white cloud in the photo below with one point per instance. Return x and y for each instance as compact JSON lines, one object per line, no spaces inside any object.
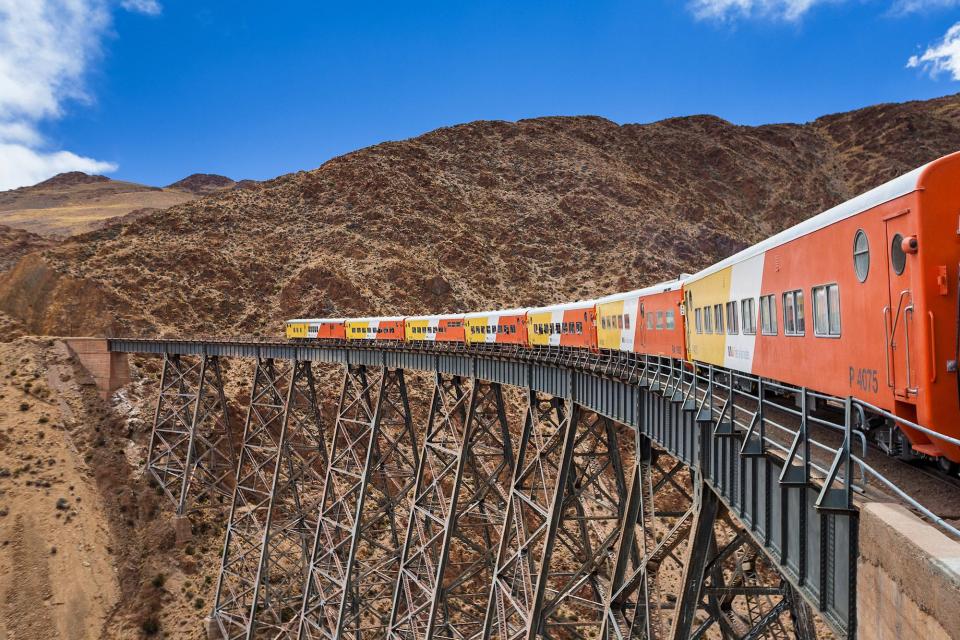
{"x":942,"y":57}
{"x":148,"y":7}
{"x":901,"y":7}
{"x":46,"y":49}
{"x":20,"y":165}
{"x":727,"y":9}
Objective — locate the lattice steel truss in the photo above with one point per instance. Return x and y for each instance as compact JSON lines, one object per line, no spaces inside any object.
{"x":191,"y":454}
{"x":685,"y":569}
{"x":267,"y":545}
{"x":457,"y":514}
{"x":356,"y":550}
{"x":568,"y":492}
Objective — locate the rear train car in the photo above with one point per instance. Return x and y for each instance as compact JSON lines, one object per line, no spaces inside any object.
{"x":860,"y":300}
{"x":646,"y":321}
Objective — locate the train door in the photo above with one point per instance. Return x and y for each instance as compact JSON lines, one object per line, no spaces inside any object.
{"x":899,"y":316}
{"x":641,"y":345}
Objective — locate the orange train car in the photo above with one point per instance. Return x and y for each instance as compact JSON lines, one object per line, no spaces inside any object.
{"x":646,"y":321}
{"x":375,"y":328}
{"x":504,"y":326}
{"x":564,"y":325}
{"x":316,"y":328}
{"x":861,"y":300}
{"x":434,"y":328}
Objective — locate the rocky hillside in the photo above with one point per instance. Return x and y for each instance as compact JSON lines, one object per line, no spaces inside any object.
{"x":486,"y":213}
{"x":16,"y":243}
{"x":74,"y":202}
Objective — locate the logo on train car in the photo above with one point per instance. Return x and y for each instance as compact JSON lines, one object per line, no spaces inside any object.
{"x":739,"y":354}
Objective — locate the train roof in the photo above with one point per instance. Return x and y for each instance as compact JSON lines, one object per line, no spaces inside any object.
{"x":565,"y":306}
{"x":316,"y":320}
{"x":669,"y":285}
{"x":896,"y":188}
{"x":438,"y":316}
{"x":376,"y":319}
{"x":496,"y":312}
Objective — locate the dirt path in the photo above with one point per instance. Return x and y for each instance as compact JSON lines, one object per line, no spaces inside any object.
{"x":57,"y":578}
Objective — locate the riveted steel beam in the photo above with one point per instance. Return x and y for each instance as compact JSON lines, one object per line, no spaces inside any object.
{"x":356,"y":548}
{"x":282,"y":463}
{"x":191,"y":455}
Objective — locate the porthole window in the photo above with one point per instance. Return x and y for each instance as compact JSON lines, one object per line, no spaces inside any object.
{"x":898,"y":259}
{"x":861,"y":255}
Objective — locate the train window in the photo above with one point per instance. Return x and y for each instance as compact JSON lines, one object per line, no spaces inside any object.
{"x":748,"y":316}
{"x":718,"y":318}
{"x":699,"y":321}
{"x":826,"y":310}
{"x":579,"y":327}
{"x":649,"y":321}
{"x":732,"y":324}
{"x":669,"y":321}
{"x":707,"y":320}
{"x":898,"y":259}
{"x":620,"y":321}
{"x":768,"y":315}
{"x":861,"y":255}
{"x":793,"y":323}
{"x":659,"y":320}
{"x":626,"y":321}
{"x":603,"y":322}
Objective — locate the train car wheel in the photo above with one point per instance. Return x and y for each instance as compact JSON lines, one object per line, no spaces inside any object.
{"x":948,"y":466}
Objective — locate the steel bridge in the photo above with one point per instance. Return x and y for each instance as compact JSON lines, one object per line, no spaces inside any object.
{"x":634,"y":497}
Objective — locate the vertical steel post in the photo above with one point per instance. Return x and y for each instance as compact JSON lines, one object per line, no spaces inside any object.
{"x":356,"y":549}
{"x":281,"y":464}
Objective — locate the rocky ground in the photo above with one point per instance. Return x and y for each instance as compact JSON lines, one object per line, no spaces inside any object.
{"x":88,"y":548}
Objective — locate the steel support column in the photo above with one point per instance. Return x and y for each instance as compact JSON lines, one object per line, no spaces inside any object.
{"x":191,"y":454}
{"x":356,"y":548}
{"x":568,"y":493}
{"x":457,"y":514}
{"x":282,"y":463}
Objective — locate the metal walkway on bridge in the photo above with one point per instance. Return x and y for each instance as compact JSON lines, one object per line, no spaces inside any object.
{"x":638,"y":498}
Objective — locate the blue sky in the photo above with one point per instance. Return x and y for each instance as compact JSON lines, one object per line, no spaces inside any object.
{"x":152,"y":90}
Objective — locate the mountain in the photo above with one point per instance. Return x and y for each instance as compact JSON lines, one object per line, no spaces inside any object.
{"x":471,"y":216}
{"x":203,"y":183}
{"x":75,"y":202}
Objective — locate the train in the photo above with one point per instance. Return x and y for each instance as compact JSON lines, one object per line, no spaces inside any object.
{"x":860,"y":300}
